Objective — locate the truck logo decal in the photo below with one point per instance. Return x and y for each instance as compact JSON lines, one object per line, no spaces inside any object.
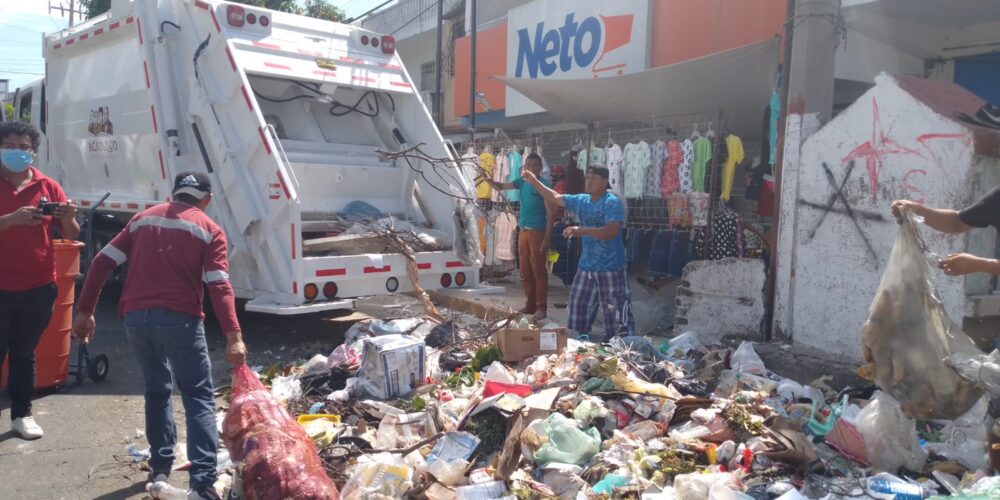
{"x":100,"y":122}
{"x":101,"y":143}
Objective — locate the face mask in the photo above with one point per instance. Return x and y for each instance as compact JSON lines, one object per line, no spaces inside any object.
{"x":16,"y":160}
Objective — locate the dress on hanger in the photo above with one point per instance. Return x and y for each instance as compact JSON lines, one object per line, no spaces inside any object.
{"x":500,"y":173}
{"x":684,"y":168}
{"x":516,"y":161}
{"x":483,"y":189}
{"x":638,"y":158}
{"x":671,"y":181}
{"x":734,"y":147}
{"x":615,"y":156}
{"x":655,"y":174}
{"x":702,"y":154}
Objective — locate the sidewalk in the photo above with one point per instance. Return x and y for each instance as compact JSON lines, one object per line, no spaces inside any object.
{"x":507,"y":300}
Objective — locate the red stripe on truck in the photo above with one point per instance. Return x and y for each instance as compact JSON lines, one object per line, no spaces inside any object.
{"x":278,"y":66}
{"x":232,"y":60}
{"x":70,"y":42}
{"x":454,"y":264}
{"x":145,"y":69}
{"x":284,"y":187}
{"x":133,"y":206}
{"x":323,"y":273}
{"x":424,"y":267}
{"x":363,"y":79}
{"x":138,"y":27}
{"x":295,"y":287}
{"x":246,"y":95}
{"x":267,"y":45}
{"x":116,"y":25}
{"x":216,"y":21}
{"x":373,"y":270}
{"x":84,"y":36}
{"x":99,"y":32}
{"x":152,"y":111}
{"x":321,"y":72}
{"x":85,"y":203}
{"x":293,"y":241}
{"x":163,"y":169}
{"x":400,"y":84}
{"x":201,"y":5}
{"x":57,"y":46}
{"x":129,"y":20}
{"x":267,"y":146}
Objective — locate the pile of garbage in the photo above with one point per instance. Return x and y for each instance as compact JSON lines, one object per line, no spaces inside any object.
{"x":414,"y":408}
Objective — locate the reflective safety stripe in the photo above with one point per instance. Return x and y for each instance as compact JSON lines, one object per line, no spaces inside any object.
{"x":114,"y":254}
{"x":165,"y":223}
{"x":213,"y":276}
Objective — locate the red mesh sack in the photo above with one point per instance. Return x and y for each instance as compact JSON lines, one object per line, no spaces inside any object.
{"x":278,"y":458}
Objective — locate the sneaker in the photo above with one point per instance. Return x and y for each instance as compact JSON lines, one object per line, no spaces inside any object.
{"x":540,"y":315}
{"x":989,"y":115}
{"x":27,"y":428}
{"x":204,"y":494}
{"x":528,"y":311}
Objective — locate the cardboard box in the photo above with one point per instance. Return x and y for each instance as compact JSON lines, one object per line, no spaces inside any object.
{"x":392,"y":366}
{"x":517,"y":345}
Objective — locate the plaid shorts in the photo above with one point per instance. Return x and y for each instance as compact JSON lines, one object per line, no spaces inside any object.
{"x":594,"y":291}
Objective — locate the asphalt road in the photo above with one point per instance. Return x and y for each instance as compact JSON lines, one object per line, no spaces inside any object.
{"x":88,"y":427}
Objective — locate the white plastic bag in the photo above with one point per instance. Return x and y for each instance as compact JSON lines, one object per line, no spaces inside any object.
{"x":964,"y":439}
{"x":746,"y":360}
{"x":891,"y":439}
{"x":980,"y":369}
{"x":286,"y":389}
{"x":908,"y":337}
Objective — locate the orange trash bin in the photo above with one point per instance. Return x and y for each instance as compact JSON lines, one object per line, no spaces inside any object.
{"x":52,"y":352}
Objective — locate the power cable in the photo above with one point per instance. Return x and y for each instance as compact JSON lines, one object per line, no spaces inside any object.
{"x":429,"y":7}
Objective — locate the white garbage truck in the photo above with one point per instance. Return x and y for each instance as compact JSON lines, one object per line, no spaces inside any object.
{"x":299,"y":122}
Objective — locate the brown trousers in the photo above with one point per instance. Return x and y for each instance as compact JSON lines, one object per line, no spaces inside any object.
{"x":534,"y":270}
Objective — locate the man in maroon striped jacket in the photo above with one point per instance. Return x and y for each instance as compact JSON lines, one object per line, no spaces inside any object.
{"x":172,"y":249}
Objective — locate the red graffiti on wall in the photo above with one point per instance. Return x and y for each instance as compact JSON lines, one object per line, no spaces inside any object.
{"x":876,"y":149}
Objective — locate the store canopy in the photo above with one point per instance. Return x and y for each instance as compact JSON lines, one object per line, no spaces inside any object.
{"x":737,"y":81}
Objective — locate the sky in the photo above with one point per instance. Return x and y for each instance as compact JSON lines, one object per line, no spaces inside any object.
{"x":22,"y":23}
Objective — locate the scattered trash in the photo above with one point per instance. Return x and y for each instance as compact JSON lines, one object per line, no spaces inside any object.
{"x":412,"y":408}
{"x":136,"y":454}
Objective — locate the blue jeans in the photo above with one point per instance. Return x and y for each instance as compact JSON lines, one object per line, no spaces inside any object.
{"x":164,"y":342}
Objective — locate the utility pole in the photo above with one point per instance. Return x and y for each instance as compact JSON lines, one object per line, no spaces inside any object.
{"x":438,"y":107}
{"x":72,"y":9}
{"x":472,"y":73}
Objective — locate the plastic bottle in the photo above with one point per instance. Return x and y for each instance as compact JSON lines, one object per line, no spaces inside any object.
{"x":164,"y":491}
{"x":890,"y":487}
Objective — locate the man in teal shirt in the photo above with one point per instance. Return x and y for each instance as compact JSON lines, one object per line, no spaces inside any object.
{"x":535,"y":220}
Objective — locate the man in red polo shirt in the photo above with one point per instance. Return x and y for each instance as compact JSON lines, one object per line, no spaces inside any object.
{"x":27,"y":263}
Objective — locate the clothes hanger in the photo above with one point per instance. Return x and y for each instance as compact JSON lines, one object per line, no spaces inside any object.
{"x":711,"y":133}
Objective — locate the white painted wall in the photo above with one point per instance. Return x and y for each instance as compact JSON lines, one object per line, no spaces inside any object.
{"x":722,"y":297}
{"x":827,"y":280}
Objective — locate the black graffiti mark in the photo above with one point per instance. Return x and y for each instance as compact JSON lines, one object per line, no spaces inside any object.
{"x":831,"y":206}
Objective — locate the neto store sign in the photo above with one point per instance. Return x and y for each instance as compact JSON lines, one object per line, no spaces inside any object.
{"x":572,"y":39}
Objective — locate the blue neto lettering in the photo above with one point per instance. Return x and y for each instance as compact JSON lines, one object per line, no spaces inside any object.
{"x":572,"y":45}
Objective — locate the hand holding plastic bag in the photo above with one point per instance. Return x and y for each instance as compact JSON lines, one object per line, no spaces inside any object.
{"x":908,"y":337}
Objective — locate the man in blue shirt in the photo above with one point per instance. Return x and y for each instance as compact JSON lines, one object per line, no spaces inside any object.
{"x":601,"y":282}
{"x":535,"y":220}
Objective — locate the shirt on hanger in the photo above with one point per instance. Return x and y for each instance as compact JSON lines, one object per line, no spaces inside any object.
{"x":655,"y":173}
{"x":773,"y":128}
{"x":470,"y":171}
{"x":637,"y":161}
{"x":615,"y":156}
{"x":516,"y":161}
{"x":735,"y":148}
{"x":684,"y":169}
{"x":671,"y":181}
{"x":702,"y":154}
{"x":483,"y":189}
{"x":595,"y":156}
{"x":500,"y":173}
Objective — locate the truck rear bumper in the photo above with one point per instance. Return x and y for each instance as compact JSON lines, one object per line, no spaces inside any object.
{"x":261,"y":305}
